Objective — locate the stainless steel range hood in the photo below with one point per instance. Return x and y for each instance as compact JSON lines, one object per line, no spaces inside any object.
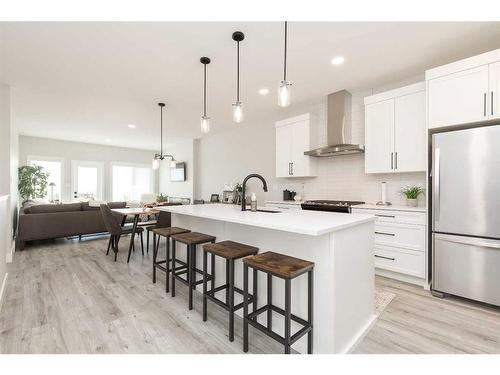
{"x":339,"y":128}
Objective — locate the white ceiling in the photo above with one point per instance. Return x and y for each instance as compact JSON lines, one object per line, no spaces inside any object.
{"x":87,"y":81}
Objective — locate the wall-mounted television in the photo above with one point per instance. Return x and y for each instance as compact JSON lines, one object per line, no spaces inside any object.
{"x":178,"y":173}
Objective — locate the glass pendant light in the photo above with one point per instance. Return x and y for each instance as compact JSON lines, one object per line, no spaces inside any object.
{"x":205,"y":120}
{"x":238,"y":36}
{"x":284,"y":91}
{"x":155,"y":164}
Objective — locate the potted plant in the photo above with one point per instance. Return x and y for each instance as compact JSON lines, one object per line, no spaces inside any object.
{"x":411,"y":193}
{"x":162,"y":198}
{"x":32,"y":182}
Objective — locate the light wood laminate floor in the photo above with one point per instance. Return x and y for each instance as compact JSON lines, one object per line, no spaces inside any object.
{"x":68,"y":297}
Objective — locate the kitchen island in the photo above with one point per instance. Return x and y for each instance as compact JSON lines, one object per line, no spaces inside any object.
{"x":340,"y":245}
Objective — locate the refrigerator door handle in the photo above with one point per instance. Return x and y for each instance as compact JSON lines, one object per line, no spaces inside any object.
{"x":437,"y":187}
{"x":473,"y":241}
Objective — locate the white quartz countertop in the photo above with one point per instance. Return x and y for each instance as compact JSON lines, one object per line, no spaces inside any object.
{"x":372,"y":206}
{"x":314,"y":223}
{"x":295,"y":203}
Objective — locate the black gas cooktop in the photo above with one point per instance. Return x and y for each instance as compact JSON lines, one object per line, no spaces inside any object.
{"x":329,"y":205}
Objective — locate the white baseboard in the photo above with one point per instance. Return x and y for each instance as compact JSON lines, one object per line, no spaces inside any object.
{"x":360,"y":336}
{"x":9,"y":255}
{"x":2,"y":290}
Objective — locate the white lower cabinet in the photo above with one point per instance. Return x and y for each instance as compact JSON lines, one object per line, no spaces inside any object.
{"x":400,"y":244}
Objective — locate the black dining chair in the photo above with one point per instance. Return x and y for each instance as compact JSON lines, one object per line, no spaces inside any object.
{"x":112,"y":222}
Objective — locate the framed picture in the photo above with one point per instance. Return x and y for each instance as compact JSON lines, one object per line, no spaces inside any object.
{"x":227,"y":197}
{"x":214,"y":198}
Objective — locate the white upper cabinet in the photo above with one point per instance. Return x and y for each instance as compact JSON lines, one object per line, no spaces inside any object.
{"x":494,"y":94}
{"x":395,"y":130}
{"x":292,"y":140}
{"x":379,"y":136}
{"x":409,"y":133}
{"x":458,"y":98}
{"x":465,"y":91}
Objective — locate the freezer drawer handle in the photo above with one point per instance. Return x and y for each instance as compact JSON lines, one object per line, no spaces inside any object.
{"x":492,"y":244}
{"x":385,"y":234}
{"x":380,"y":256}
{"x":380,"y":215}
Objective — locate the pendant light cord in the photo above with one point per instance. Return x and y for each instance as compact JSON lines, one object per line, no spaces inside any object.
{"x":238,"y":72}
{"x":204,"y":90}
{"x":161,"y":132}
{"x":284,"y":65}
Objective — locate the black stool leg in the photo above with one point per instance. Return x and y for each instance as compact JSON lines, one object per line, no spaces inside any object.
{"x":194,"y":267}
{"x":167,"y":265}
{"x":205,"y":286}
{"x":227,"y":280}
{"x":190,"y":272}
{"x":231,"y":300}
{"x":212,"y":271}
{"x":255,"y":279}
{"x":269,"y":301}
{"x":173,"y":267}
{"x":245,"y":308}
{"x":310,"y":301}
{"x":147,"y":241}
{"x":155,"y":252}
{"x":288,"y":318}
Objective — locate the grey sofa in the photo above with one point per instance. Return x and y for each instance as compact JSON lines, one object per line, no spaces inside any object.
{"x":46,"y":221}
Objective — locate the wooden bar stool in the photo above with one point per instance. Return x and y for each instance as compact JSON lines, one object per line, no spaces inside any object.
{"x":190,"y":239}
{"x":230,"y":251}
{"x":165,"y":265}
{"x":287,"y":268}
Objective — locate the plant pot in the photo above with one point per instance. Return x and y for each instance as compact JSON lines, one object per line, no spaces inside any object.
{"x":411,"y":202}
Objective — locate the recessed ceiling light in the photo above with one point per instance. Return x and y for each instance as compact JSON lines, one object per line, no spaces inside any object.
{"x":107,"y":140}
{"x":131,"y":126}
{"x":338,"y":60}
{"x":264,"y":91}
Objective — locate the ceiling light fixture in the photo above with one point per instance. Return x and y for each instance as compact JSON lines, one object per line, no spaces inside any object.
{"x":284,"y":90}
{"x":158,"y":157}
{"x":338,"y":60}
{"x":131,"y":126}
{"x":264,"y":91}
{"x":238,"y":36}
{"x":205,"y":120}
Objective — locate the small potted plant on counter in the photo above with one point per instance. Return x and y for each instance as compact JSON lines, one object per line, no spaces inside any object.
{"x":411,"y":193}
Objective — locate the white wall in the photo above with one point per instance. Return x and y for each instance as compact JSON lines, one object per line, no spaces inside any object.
{"x":83,"y":151}
{"x":250,"y":148}
{"x":5,"y":226}
{"x":182,"y":151}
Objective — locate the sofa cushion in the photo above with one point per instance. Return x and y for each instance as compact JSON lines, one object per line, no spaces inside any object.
{"x":87,"y":207}
{"x":51,"y":208}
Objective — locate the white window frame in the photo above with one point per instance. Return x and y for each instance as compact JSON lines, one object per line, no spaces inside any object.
{"x":136,"y":165}
{"x":30,"y":158}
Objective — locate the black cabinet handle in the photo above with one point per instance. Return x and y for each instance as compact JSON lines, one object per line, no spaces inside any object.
{"x":484,"y":103}
{"x":380,"y":215}
{"x":385,"y":234}
{"x":380,"y":256}
{"x":492,"y":103}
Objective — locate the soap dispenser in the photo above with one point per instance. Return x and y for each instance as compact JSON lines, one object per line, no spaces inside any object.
{"x":253,"y":203}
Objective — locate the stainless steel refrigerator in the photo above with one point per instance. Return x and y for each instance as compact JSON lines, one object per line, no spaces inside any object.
{"x":466,"y":213}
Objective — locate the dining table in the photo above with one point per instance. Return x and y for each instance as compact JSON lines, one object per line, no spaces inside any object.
{"x":136,"y":212}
